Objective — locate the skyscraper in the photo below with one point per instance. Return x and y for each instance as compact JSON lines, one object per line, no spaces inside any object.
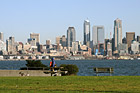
{"x":1,"y":36}
{"x":129,"y":37}
{"x":86,"y":32}
{"x":10,"y":45}
{"x":117,"y":33}
{"x":71,"y":36}
{"x":98,"y":38}
{"x":98,"y":34}
{"x":63,"y":41}
{"x":36,"y":37}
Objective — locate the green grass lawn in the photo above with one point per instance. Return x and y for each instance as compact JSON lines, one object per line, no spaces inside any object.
{"x":68,"y":84}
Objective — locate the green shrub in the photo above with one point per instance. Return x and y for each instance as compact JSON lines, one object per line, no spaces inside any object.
{"x":72,"y":69}
{"x":34,"y":65}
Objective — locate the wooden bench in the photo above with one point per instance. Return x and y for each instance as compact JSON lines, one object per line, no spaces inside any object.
{"x":103,"y":70}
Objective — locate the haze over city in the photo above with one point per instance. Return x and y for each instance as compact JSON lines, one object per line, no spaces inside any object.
{"x":52,"y":18}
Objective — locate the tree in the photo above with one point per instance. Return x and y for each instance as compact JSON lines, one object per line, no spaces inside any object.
{"x":34,"y":65}
{"x":72,"y":69}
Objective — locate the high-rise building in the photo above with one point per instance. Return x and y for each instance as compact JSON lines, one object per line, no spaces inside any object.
{"x":98,"y":35}
{"x":86,"y":32}
{"x":129,"y":37}
{"x":63,"y":41}
{"x":117,"y":33}
{"x":98,"y":38}
{"x":71,"y":36}
{"x":35,"y":36}
{"x":1,"y":36}
{"x":10,"y":45}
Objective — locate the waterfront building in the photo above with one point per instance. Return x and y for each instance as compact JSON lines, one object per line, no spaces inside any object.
{"x":83,"y":47}
{"x":74,"y":48}
{"x":35,"y":36}
{"x":130,"y":36}
{"x":106,"y":42}
{"x":122,"y":49}
{"x":134,"y":47}
{"x":71,"y":36}
{"x":19,"y":46}
{"x":109,"y":49}
{"x":117,"y":33}
{"x":1,"y":36}
{"x":2,"y":47}
{"x":26,"y":47}
{"x":42,"y":48}
{"x":10,"y":45}
{"x":86,"y":32}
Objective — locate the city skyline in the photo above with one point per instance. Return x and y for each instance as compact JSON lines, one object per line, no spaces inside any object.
{"x":52,"y":19}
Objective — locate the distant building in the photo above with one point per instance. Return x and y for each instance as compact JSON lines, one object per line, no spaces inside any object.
{"x":135,"y":47}
{"x":32,"y":41}
{"x":20,"y":46}
{"x":98,"y":35}
{"x":106,"y":43}
{"x":124,"y":40}
{"x":1,"y":36}
{"x":36,"y":37}
{"x":42,"y":48}
{"x":86,"y":32}
{"x":109,"y":49}
{"x":98,"y":39}
{"x":138,"y":39}
{"x":123,"y":49}
{"x":58,"y":39}
{"x":74,"y":48}
{"x":130,"y":36}
{"x":2,"y":47}
{"x":63,"y":41}
{"x":48,"y":43}
{"x":71,"y":36}
{"x":10,"y":45}
{"x":117,"y":33}
{"x":26,"y":47}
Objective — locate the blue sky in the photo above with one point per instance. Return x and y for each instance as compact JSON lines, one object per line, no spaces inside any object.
{"x":51,"y":18}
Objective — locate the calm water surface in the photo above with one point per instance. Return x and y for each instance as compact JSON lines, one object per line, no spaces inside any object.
{"x":121,"y":67}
